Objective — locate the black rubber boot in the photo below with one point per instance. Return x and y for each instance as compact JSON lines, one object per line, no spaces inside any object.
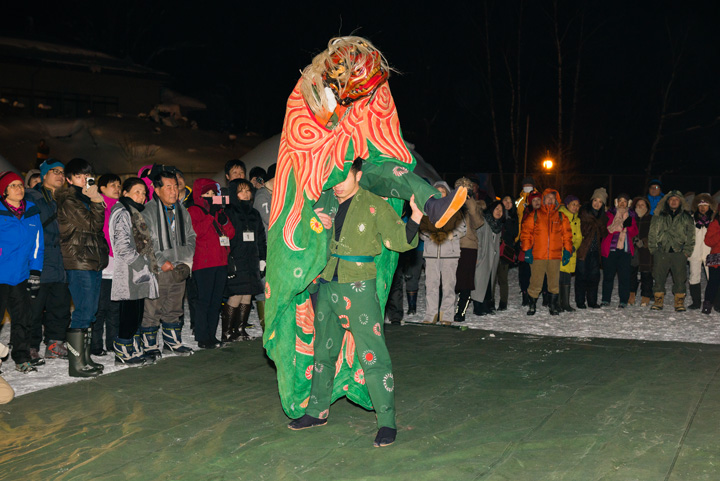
{"x":707,"y":307}
{"x":226,"y":316}
{"x":546,"y":299}
{"x":237,"y":324}
{"x":525,"y":298}
{"x":554,"y":304}
{"x":412,"y":302}
{"x":532,"y":305}
{"x":88,"y":348}
{"x":696,"y":294}
{"x":76,"y":347}
{"x":565,"y":298}
{"x":461,"y":309}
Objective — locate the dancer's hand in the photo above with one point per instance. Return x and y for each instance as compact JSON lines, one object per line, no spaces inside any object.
{"x":325,"y":219}
{"x":417,"y":214}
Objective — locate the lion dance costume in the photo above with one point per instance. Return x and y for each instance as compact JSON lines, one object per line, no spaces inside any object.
{"x":340,"y":109}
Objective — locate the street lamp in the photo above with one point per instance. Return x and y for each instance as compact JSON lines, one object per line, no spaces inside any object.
{"x":548,"y":161}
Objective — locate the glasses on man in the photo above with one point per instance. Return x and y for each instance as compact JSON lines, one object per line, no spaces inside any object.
{"x":57,"y":171}
{"x":16,"y":186}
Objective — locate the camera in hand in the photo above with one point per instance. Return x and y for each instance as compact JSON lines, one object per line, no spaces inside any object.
{"x":90,"y":181}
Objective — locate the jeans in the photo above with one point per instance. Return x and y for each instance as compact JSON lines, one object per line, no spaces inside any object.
{"x":85,"y":291}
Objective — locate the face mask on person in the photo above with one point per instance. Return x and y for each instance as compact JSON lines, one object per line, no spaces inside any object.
{"x":528,"y":189}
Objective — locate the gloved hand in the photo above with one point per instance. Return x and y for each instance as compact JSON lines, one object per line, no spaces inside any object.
{"x":222,"y":218}
{"x":566,"y":257}
{"x":33,"y":283}
{"x":638,"y":242}
{"x":528,"y":256}
{"x":262,"y":267}
{"x":628,"y":222}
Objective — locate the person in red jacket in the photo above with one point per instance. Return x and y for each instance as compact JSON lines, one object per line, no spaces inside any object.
{"x":712,"y":240}
{"x":546,"y":238}
{"x":212,"y":246}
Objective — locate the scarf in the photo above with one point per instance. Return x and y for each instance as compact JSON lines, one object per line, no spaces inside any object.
{"x":16,"y":211}
{"x":703,"y":220}
{"x":140,"y":231}
{"x":164,"y":225}
{"x":617,"y":226}
{"x":495,"y":225}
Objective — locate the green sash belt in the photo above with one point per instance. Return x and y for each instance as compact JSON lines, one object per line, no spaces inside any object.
{"x":354,"y":258}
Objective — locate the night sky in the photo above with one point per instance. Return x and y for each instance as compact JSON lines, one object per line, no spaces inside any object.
{"x":243,"y":61}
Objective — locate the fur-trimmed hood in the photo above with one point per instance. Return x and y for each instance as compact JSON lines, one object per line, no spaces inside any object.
{"x":673,"y":193}
{"x":704,"y":197}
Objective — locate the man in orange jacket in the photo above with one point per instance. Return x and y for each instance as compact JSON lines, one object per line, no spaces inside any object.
{"x":546,"y":238}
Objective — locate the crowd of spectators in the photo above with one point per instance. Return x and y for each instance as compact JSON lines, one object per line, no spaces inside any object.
{"x":90,"y":267}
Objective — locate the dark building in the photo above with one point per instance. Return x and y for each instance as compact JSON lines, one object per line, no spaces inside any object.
{"x":42,"y":79}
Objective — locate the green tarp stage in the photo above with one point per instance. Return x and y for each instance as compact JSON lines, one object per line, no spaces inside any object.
{"x":471,"y":405}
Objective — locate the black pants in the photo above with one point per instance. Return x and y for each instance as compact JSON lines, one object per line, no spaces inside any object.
{"x":210,"y":284}
{"x":130,"y":314}
{"x":617,"y":262}
{"x":16,"y":299}
{"x":394,"y":306}
{"x":502,"y":279}
{"x":524,"y":276}
{"x":49,"y":310}
{"x":712,"y":285}
{"x":106,"y":319}
{"x":645,"y":283}
{"x":587,"y":279}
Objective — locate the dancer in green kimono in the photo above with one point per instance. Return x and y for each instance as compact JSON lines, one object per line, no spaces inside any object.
{"x":341,"y":109}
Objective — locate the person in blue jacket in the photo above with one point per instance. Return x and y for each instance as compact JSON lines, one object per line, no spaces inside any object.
{"x":21,"y":263}
{"x":655,"y":193}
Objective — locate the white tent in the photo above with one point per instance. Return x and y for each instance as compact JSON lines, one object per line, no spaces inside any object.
{"x":265,"y":154}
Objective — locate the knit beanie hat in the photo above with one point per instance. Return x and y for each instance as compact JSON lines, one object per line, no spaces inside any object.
{"x":29,"y":175}
{"x":623,"y":195}
{"x":5,"y":179}
{"x":655,"y":182}
{"x":49,"y":164}
{"x":600,"y":193}
{"x":528,"y":180}
{"x":569,"y":199}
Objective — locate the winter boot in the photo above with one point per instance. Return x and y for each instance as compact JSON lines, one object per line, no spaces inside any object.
{"x":237,"y":326}
{"x":525,"y":298}
{"x":565,"y":298}
{"x":172,"y":339}
{"x":680,"y":303}
{"x":76,"y":350}
{"x":88,"y":348}
{"x":707,"y":307}
{"x":440,"y":211}
{"x":412,"y":302}
{"x":490,"y":306}
{"x":226,"y":315}
{"x":150,"y":343}
{"x":461,"y":309}
{"x":554,"y":307}
{"x":532,"y":305}
{"x":502,"y":306}
{"x":546,"y":299}
{"x":631,"y":299}
{"x":659,"y":300}
{"x":125,"y":353}
{"x":479,"y":308}
{"x":261,"y":313}
{"x":56,"y":350}
{"x":696,"y":294}
{"x":644,"y":301}
{"x":35,"y":358}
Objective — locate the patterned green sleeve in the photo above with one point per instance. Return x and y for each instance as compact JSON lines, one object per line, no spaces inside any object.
{"x":391,"y":230}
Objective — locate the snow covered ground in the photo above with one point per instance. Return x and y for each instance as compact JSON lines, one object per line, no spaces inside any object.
{"x":633,"y":322}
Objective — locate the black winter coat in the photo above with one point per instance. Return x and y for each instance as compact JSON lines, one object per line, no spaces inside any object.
{"x":245,"y":255}
{"x":591,"y":226}
{"x":53,"y":269}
